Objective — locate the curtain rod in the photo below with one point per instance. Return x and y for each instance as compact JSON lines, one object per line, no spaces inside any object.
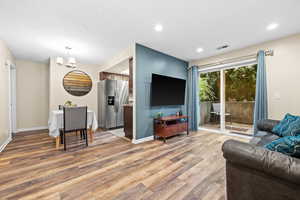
{"x":269,"y":52}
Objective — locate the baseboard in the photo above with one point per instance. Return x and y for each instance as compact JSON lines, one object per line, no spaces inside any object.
{"x":5,"y":143}
{"x":32,"y":129}
{"x":225,"y":133}
{"x":146,"y":139}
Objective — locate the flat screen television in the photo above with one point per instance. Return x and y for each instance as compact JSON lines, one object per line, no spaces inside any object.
{"x":167,"y":91}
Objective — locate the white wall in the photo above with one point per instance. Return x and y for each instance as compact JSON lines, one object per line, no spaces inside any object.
{"x":118,"y":58}
{"x":283,"y":73}
{"x":5,"y":55}
{"x":35,"y":82}
{"x":32,"y":94}
{"x":58,"y":95}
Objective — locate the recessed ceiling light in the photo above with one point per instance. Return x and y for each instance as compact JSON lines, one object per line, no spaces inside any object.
{"x":272,"y":26}
{"x":199,"y":50}
{"x":158,"y":28}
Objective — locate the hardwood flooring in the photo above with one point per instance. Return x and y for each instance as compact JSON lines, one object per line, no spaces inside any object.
{"x":186,"y":167}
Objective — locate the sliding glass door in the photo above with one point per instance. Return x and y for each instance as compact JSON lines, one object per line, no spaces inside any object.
{"x":240,"y":84}
{"x":227,"y":98}
{"x":210,"y":102}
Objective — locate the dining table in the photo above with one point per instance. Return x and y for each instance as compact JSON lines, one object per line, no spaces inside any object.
{"x":56,"y":123}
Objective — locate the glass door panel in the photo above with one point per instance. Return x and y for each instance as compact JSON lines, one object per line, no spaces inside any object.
{"x":210,"y":104}
{"x":240,"y":84}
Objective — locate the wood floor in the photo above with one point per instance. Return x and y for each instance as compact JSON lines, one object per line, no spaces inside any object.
{"x":186,"y":167}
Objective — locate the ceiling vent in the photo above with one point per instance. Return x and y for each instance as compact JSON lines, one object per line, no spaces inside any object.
{"x":225,"y":46}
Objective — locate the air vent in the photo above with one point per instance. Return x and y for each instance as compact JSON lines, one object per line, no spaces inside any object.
{"x":225,"y":46}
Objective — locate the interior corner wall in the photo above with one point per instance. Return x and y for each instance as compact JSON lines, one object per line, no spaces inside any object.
{"x":283,"y":70}
{"x":5,"y":55}
{"x":32,"y":94}
{"x":120,"y":57}
{"x":58,"y":95}
{"x":150,"y":61}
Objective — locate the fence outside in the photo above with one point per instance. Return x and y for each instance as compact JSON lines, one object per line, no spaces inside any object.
{"x":241,"y":111}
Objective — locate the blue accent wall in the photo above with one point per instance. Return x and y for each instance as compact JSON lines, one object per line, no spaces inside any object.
{"x":150,"y":61}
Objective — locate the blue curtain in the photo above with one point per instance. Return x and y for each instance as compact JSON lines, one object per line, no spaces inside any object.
{"x":261,"y":98}
{"x":193,"y":98}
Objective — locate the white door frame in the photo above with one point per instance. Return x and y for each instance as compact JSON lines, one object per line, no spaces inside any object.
{"x":222,"y":101}
{"x":12,"y":98}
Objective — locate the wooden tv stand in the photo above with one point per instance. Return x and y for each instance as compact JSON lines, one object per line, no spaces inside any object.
{"x":169,"y":126}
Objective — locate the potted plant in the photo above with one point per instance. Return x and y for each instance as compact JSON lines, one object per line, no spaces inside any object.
{"x":68,"y":103}
{"x":159,"y":115}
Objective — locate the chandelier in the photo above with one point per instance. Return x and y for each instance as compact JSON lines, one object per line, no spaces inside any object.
{"x":71,"y":61}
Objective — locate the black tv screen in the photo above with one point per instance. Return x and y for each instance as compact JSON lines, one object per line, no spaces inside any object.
{"x":167,"y":90}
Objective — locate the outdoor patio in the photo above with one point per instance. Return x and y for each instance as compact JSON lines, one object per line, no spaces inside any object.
{"x":239,"y":116}
{"x":238,"y":128}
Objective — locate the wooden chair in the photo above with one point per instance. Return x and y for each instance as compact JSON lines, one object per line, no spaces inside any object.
{"x":75,"y":119}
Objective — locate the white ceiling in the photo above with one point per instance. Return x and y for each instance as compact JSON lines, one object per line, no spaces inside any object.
{"x":97,"y":29}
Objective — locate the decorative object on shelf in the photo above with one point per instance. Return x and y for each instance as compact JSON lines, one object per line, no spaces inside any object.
{"x":180,"y":113}
{"x":71,"y":61}
{"x":69,"y":104}
{"x":77,"y":83}
{"x":159,"y":115}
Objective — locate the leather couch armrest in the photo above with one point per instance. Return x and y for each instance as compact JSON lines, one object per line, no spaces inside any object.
{"x":261,"y":159}
{"x":266,"y":124}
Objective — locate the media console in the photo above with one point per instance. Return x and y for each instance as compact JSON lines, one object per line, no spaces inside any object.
{"x":169,"y":126}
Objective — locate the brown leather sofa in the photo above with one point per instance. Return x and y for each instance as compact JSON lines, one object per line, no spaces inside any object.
{"x":255,"y":173}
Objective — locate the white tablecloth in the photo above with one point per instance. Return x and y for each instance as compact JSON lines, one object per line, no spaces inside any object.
{"x":56,"y":122}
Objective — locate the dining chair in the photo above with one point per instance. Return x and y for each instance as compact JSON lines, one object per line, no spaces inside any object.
{"x":61,"y":107}
{"x":75,"y":119}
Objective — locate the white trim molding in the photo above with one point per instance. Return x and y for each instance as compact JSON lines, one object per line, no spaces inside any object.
{"x":32,"y":129}
{"x":142,"y":140}
{"x":8,"y":140}
{"x":241,"y":63}
{"x":134,"y":86}
{"x":224,"y":132}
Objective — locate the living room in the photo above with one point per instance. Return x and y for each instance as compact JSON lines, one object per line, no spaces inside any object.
{"x":149,"y":106}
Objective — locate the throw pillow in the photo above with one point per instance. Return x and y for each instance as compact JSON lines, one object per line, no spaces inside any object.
{"x":289,"y":145}
{"x":289,"y":126}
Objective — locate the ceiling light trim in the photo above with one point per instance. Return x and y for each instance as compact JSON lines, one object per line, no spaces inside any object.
{"x":199,"y":50}
{"x":158,"y":28}
{"x":272,"y":26}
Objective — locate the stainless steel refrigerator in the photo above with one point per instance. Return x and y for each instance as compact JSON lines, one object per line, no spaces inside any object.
{"x":112,"y":95}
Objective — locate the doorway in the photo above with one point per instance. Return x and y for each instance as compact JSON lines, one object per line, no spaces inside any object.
{"x":227,"y":98}
{"x":115,"y":99}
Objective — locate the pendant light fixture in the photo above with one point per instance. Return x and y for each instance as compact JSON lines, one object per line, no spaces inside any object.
{"x":71,"y":61}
